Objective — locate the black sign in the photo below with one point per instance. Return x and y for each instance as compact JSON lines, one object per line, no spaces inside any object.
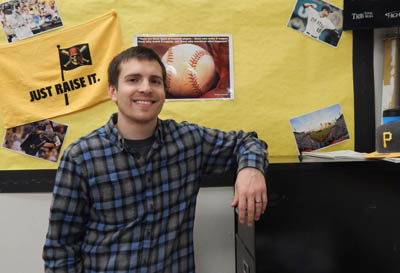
{"x":359,"y":14}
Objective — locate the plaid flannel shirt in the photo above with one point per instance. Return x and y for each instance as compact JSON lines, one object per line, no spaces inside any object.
{"x":116,"y":211}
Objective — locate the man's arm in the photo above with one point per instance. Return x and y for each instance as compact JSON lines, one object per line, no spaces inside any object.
{"x":68,"y":216}
{"x":249,"y":153}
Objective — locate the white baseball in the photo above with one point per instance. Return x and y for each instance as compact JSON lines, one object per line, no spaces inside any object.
{"x":190,"y":70}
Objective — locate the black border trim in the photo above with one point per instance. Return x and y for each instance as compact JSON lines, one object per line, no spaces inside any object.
{"x":33,"y":181}
{"x":364,"y":90}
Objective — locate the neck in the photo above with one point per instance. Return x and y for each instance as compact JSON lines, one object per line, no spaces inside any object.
{"x":135,"y":130}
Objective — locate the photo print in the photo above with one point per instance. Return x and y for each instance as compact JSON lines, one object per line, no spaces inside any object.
{"x":319,"y":129}
{"x":318,"y":20}
{"x":199,"y":67}
{"x":42,"y":139}
{"x":22,"y":19}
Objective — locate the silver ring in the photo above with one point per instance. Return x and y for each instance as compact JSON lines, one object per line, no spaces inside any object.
{"x":257,"y":201}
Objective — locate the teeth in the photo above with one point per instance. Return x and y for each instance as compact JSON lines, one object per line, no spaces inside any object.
{"x":143,"y":102}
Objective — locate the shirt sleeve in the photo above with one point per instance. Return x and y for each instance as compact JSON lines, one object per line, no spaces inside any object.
{"x":330,"y":25}
{"x":224,"y":150}
{"x":68,"y":214}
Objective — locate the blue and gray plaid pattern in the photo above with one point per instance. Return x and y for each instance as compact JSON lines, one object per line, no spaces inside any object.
{"x":116,"y":211}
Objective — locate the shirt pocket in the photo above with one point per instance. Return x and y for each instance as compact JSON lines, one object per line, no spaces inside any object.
{"x":116,"y":202}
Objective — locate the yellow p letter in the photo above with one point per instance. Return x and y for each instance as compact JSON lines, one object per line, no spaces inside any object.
{"x":387,"y":137}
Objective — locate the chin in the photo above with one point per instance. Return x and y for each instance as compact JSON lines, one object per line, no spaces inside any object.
{"x":143,"y":119}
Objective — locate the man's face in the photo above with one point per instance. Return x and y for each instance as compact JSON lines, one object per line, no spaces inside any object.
{"x":140,"y":94}
{"x":324,"y":13}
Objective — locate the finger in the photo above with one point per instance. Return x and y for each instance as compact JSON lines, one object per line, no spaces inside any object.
{"x":250,"y":211}
{"x":235,"y":200}
{"x":258,"y":208}
{"x":264,"y":201}
{"x":242,"y":209}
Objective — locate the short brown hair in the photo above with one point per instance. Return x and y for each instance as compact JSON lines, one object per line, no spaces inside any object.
{"x":136,"y":52}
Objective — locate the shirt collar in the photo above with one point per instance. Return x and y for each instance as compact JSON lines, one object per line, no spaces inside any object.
{"x":115,"y":136}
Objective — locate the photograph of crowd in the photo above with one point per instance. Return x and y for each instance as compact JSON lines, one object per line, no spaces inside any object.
{"x":22,"y":19}
{"x":42,"y":139}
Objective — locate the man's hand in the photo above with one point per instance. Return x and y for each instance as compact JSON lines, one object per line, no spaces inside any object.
{"x":307,"y":5}
{"x":250,"y":194}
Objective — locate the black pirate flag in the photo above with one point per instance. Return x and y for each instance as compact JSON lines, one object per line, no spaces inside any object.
{"x":75,"y":56}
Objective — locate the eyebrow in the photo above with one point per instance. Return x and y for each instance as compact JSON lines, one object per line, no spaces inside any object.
{"x":140,"y":75}
{"x":133,"y":75}
{"x":156,"y":76}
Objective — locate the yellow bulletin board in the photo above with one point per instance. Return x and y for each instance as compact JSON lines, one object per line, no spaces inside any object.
{"x":278,"y":73}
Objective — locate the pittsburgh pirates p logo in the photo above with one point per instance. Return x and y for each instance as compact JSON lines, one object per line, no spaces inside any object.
{"x":387,"y":137}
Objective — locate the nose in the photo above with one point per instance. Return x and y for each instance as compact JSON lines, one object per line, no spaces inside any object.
{"x":145,"y":86}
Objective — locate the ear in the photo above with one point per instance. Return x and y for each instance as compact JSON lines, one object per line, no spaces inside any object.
{"x":112,"y":92}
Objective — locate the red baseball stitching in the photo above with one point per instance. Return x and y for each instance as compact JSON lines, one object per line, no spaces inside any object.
{"x":194,"y":59}
{"x":170,"y":58}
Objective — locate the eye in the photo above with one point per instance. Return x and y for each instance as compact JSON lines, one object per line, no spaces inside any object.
{"x":156,"y":81}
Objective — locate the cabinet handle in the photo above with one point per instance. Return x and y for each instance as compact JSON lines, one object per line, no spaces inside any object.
{"x":245,"y":267}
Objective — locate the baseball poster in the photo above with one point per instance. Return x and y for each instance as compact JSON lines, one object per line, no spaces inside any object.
{"x":198,"y":66}
{"x":318,"y":20}
{"x":320,"y":129}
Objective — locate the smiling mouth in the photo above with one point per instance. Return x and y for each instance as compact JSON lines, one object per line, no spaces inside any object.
{"x":143,"y":102}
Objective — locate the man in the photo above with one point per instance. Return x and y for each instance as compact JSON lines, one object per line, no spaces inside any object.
{"x":318,"y":21}
{"x":125,"y":195}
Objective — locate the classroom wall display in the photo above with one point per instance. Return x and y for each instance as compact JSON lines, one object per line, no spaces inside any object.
{"x":277,"y":74}
{"x":198,"y":66}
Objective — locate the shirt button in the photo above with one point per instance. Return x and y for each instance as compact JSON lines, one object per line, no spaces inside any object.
{"x":151,"y":207}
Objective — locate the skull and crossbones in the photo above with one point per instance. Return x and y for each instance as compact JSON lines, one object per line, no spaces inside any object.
{"x":75,"y":56}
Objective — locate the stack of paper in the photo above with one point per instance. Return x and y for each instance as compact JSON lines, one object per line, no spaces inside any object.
{"x":392,"y":159}
{"x":345,"y":154}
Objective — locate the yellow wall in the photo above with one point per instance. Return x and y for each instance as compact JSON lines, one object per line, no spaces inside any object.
{"x":278,"y":73}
